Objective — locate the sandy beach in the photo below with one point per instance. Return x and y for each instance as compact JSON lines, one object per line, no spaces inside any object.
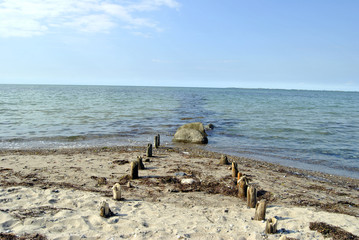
{"x":57,"y":194}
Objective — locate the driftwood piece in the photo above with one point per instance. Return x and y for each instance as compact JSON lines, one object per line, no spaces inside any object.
{"x":242,"y":187}
{"x":116,"y":190}
{"x":234,"y":170}
{"x":223,"y":160}
{"x":134,"y":170}
{"x":140,"y":163}
{"x":260,"y":213}
{"x":105,"y":210}
{"x":149,"y":150}
{"x":271,"y":226}
{"x":251,"y":197}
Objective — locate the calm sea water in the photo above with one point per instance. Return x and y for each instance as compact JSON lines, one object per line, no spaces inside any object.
{"x":315,"y":130}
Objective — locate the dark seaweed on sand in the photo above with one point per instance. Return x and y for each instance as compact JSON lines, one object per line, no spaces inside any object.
{"x":330,"y":231}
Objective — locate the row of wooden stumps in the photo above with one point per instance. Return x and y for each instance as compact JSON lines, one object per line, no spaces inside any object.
{"x":136,"y":165}
{"x":245,"y":190}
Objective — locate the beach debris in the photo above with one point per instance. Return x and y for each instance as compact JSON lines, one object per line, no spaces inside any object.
{"x":271,"y":226}
{"x":140,"y":163}
{"x":234,"y":170}
{"x":149,"y":150}
{"x":180,"y":174}
{"x":242,"y":187}
{"x":260,"y":213}
{"x":251,"y":196}
{"x":105,"y":210}
{"x":187,"y":181}
{"x":129,"y":185}
{"x":330,"y":231}
{"x":134,"y":170}
{"x":116,"y":189}
{"x":120,"y":162}
{"x":223,"y":160}
{"x":191,"y":133}
{"x":100,"y":180}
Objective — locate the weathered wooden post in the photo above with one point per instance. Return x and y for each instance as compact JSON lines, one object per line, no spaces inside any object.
{"x":242,"y":187}
{"x":116,"y":190}
{"x":251,"y":197}
{"x":140,"y":163}
{"x":271,"y":226}
{"x":134,"y":170}
{"x":149,"y":150}
{"x":239,"y":176}
{"x":156,"y":142}
{"x":260,"y":213}
{"x":224,"y":160}
{"x":105,"y":210}
{"x":234,"y":170}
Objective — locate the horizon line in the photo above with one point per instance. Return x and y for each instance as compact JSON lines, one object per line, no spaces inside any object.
{"x":159,"y":86}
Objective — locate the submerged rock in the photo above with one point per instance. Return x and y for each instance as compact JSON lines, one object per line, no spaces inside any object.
{"x":191,"y":133}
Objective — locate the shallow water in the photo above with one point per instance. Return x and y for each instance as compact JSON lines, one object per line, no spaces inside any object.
{"x":315,"y":130}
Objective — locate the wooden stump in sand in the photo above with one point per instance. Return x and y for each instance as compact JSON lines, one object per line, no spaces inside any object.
{"x":242,"y":187}
{"x":224,"y":160}
{"x":260,"y":210}
{"x":149,"y":150}
{"x":140,"y":163}
{"x":105,"y":210}
{"x":134,"y":170}
{"x":271,"y":226}
{"x":251,"y":197}
{"x":234,"y":170}
{"x":239,"y":176}
{"x":116,"y":190}
{"x":155,"y":143}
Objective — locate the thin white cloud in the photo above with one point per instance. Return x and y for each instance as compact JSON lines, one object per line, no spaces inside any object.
{"x":25,"y":18}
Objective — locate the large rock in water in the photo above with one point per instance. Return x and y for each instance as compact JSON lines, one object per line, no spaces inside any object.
{"x":191,"y":133}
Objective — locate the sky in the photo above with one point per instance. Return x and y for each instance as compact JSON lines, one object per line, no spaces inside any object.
{"x":285,"y":44}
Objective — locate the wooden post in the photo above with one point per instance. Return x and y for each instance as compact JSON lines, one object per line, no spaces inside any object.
{"x":149,"y":150}
{"x":140,"y":163}
{"x":242,"y":187}
{"x":260,"y":210}
{"x":224,"y":160}
{"x":134,"y":170}
{"x":251,"y":197}
{"x":116,"y":190}
{"x":271,"y":226}
{"x":156,"y":142}
{"x":234,"y":170}
{"x":105,"y":210}
{"x":239,"y":176}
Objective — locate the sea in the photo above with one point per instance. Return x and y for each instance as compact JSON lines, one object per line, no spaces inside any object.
{"x":312,"y":130}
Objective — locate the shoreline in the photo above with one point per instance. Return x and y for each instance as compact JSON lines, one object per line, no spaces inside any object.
{"x":93,"y":171}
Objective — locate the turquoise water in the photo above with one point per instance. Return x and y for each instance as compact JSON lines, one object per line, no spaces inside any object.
{"x":316,"y":130}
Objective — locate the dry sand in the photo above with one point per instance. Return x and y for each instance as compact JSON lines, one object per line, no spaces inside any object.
{"x":58,"y":194}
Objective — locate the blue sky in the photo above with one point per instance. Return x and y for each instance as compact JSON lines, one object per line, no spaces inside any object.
{"x":197,"y":43}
